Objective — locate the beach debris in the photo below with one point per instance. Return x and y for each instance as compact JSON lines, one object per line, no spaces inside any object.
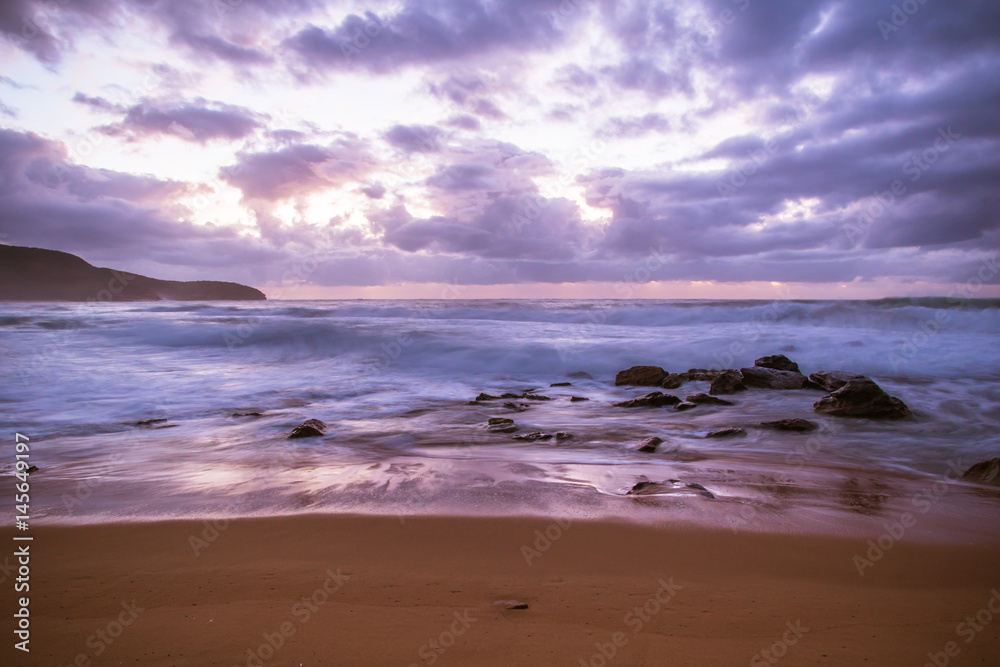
{"x":561,"y":384}
{"x":778,"y":362}
{"x":727,"y":382}
{"x":986,"y":472}
{"x":863,"y":398}
{"x":706,"y":399}
{"x":768,"y":378}
{"x":531,"y":437}
{"x":500,"y":425}
{"x":656,"y":399}
{"x":641,"y":376}
{"x":511,"y":604}
{"x":577,"y":399}
{"x":833,"y":380}
{"x":731,"y":432}
{"x":685,"y":406}
{"x":310,"y":428}
{"x":649,"y":445}
{"x":520,"y":407}
{"x":800,"y":425}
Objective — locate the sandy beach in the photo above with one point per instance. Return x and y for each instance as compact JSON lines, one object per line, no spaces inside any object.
{"x":361,"y":590}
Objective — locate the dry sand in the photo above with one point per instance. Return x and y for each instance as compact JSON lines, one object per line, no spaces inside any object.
{"x":403,"y":585}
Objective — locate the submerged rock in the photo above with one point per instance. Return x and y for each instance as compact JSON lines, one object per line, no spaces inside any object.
{"x":800,"y":425}
{"x":641,"y":376}
{"x":731,"y":432}
{"x":649,"y":445}
{"x":579,"y":375}
{"x":563,"y":435}
{"x":248,"y":414}
{"x":500,"y":425}
{"x":561,"y":384}
{"x":490,"y":397}
{"x":577,"y":399}
{"x":686,"y":405}
{"x":674,"y":380}
{"x":833,"y":380}
{"x":727,"y":382}
{"x":647,"y":488}
{"x":987,"y":472}
{"x":705,"y":399}
{"x":778,"y":362}
{"x":520,"y":407}
{"x":531,"y":437}
{"x":768,"y":378}
{"x":310,"y":428}
{"x":861,"y":397}
{"x":150,"y":422}
{"x":532,"y":397}
{"x":655,"y":399}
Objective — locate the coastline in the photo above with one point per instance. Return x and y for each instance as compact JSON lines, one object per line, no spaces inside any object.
{"x":389,"y":590}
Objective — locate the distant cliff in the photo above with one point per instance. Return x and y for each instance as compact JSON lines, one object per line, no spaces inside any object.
{"x":34,"y":274}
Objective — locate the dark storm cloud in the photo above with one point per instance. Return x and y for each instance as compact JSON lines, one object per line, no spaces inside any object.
{"x":198,"y":121}
{"x":427,"y":32}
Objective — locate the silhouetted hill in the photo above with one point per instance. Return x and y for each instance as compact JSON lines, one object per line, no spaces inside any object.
{"x":35,"y":274}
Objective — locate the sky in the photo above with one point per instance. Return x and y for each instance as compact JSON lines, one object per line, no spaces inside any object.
{"x":505,"y":149}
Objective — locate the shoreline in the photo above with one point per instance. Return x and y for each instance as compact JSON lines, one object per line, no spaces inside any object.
{"x":367,"y":590}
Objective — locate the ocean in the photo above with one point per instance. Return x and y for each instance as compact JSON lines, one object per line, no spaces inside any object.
{"x":131,"y":407}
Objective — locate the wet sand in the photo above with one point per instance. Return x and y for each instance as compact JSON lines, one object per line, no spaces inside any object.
{"x":361,"y":590}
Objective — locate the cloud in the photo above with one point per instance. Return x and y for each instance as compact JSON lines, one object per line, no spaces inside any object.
{"x":415,"y":138}
{"x":197,"y":121}
{"x":299,"y":169}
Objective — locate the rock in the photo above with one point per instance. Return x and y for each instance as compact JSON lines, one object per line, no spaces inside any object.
{"x":861,"y":397}
{"x":520,"y":407}
{"x":731,"y":432}
{"x":487,"y":397}
{"x":531,"y":437}
{"x":987,"y":472}
{"x":778,"y":362}
{"x":561,"y":384}
{"x":674,"y":380}
{"x":31,"y":469}
{"x":532,"y":397}
{"x":833,"y":380}
{"x":727,"y":382}
{"x":579,"y":375}
{"x":705,"y":399}
{"x":681,"y":407}
{"x":641,"y":376}
{"x":801,"y":425}
{"x":649,"y":445}
{"x":563,"y":435}
{"x":647,"y":488}
{"x":702,"y":375}
{"x":149,"y":422}
{"x":655,"y":399}
{"x":310,"y":428}
{"x":248,"y":414}
{"x":768,"y":378}
{"x":500,"y":425}
{"x":577,"y":399}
